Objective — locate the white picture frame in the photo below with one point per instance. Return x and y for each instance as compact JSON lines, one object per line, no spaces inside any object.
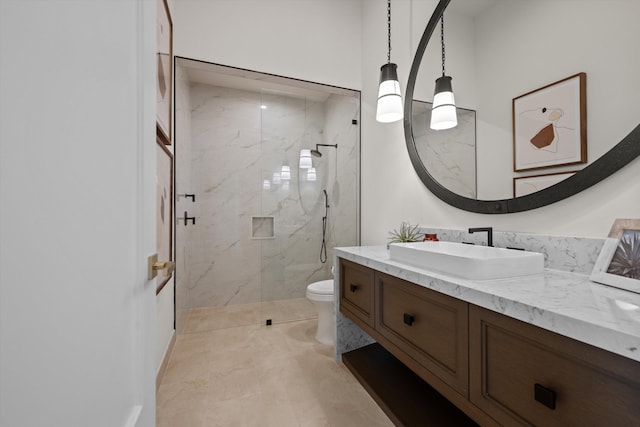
{"x":619,"y":260}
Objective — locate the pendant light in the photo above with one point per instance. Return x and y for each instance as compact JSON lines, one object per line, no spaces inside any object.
{"x":389,"y":98}
{"x":443,"y":113}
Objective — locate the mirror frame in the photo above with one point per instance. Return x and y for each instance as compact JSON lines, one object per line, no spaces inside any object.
{"x":609,"y":163}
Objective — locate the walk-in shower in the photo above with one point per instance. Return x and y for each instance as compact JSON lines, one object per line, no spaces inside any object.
{"x":247,"y":145}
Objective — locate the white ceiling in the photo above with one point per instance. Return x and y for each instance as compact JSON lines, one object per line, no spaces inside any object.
{"x":237,"y":78}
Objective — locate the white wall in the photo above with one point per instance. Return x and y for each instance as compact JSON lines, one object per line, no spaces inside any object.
{"x":547,"y":57}
{"x":311,"y":40}
{"x":344,"y":43}
{"x":392,"y":191}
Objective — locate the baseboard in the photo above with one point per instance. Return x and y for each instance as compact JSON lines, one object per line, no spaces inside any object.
{"x":165,"y":360}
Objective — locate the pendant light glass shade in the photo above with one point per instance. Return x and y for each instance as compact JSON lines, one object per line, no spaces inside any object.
{"x":443,"y":113}
{"x":305,"y":159}
{"x":389,"y":97}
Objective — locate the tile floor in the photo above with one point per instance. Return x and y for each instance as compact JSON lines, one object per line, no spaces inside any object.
{"x":211,"y":318}
{"x":255,"y":375}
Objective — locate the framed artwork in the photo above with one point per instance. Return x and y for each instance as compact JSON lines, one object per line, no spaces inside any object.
{"x":618,"y":264}
{"x":164,"y":31}
{"x":550,"y":126}
{"x":524,"y":185}
{"x":164,"y":208}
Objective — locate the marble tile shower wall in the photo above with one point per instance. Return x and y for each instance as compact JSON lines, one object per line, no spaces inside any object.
{"x":224,"y":262}
{"x":237,"y":148}
{"x":183,"y":185}
{"x":292,"y":259}
{"x":343,"y":179}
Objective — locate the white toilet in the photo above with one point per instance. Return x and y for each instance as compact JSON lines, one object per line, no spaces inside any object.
{"x":321,"y":294}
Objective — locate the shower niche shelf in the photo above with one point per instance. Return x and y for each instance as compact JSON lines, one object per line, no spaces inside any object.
{"x":262,"y":227}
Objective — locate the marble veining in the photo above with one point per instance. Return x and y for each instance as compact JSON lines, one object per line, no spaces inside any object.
{"x":183,"y":186}
{"x":575,"y":254}
{"x":560,"y":301}
{"x":449,"y":155}
{"x":238,"y":143}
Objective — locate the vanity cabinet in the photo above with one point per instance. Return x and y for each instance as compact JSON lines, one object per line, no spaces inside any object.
{"x":523,"y":375}
{"x":496,"y":369}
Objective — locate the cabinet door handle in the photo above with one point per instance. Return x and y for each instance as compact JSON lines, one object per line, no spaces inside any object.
{"x":545,"y":395}
{"x":353,"y":287}
{"x":408,"y":319}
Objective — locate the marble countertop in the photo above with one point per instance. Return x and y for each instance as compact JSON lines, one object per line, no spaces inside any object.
{"x":563,"y":302}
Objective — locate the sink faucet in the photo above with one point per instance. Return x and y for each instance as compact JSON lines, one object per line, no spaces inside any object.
{"x":489,"y":231}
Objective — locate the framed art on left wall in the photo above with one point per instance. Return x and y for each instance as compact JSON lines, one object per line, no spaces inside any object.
{"x":164,"y":30}
{"x":164,"y":208}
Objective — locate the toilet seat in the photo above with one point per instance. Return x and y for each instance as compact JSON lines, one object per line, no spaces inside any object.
{"x":321,"y":291}
{"x":323,"y":287}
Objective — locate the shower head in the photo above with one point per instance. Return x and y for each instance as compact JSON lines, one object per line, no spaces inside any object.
{"x":317,"y":153}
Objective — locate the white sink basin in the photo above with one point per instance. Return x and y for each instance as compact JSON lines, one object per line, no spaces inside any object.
{"x":468,"y":261}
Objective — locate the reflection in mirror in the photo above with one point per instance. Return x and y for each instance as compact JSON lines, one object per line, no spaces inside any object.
{"x":498,"y":50}
{"x":450,"y":155}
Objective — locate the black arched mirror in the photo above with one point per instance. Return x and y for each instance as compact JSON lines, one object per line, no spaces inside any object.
{"x":538,"y":43}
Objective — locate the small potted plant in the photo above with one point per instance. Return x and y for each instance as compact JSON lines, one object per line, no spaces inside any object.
{"x":406,"y":233}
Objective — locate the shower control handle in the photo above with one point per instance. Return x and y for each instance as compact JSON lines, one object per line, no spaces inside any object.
{"x":353,"y":287}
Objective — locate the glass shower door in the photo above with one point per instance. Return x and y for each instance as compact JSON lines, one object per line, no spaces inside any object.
{"x":309,"y":202}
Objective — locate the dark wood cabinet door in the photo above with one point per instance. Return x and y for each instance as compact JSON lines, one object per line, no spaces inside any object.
{"x":357,"y":292}
{"x":523,"y":375}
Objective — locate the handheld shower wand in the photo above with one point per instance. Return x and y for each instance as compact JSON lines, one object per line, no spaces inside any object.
{"x":323,"y":248}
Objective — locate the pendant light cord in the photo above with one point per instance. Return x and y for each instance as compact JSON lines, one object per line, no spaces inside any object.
{"x":442,"y":41}
{"x":389,"y":30}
